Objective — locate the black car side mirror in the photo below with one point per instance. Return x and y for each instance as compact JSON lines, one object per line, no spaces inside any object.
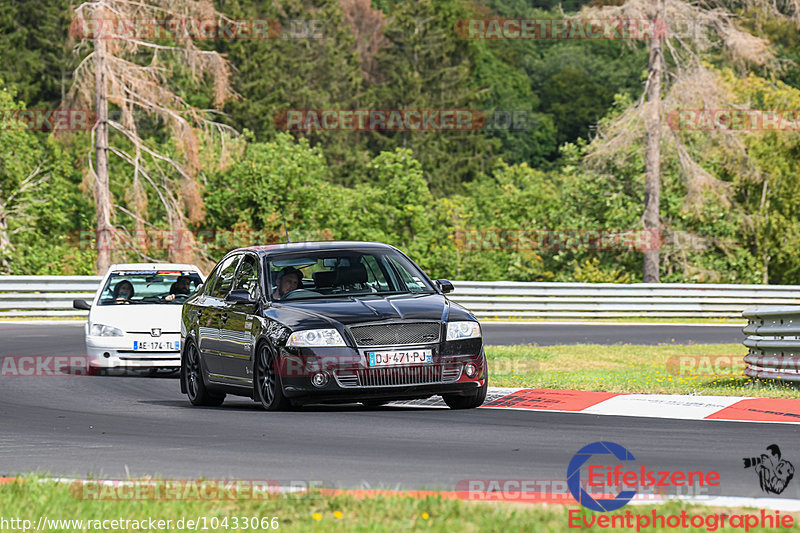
{"x":444,"y":285}
{"x":81,"y":304}
{"x":239,"y":296}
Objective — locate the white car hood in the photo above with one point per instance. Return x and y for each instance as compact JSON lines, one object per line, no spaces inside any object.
{"x":138,"y":317}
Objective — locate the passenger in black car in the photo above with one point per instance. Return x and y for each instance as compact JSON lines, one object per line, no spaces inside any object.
{"x":289,"y":279}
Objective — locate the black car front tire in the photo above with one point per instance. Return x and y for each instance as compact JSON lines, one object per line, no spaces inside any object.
{"x":470,"y":401}
{"x":267,"y":382}
{"x":193,"y":380}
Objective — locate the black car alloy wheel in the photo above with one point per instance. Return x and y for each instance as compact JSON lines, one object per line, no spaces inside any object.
{"x":193,"y":380}
{"x":267,"y":382}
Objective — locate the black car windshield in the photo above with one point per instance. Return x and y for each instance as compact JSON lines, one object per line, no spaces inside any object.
{"x":149,"y":287}
{"x":337,"y":273}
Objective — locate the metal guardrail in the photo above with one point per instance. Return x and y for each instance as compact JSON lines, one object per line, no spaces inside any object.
{"x":508,"y":299}
{"x":41,"y":296}
{"x":773,"y":340}
{"x":45,"y":296}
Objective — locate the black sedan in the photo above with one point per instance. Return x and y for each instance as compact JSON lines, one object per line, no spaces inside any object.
{"x":328,"y":322}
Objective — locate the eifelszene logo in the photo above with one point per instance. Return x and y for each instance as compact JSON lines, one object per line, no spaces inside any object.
{"x":774,"y":473}
{"x":627,"y":483}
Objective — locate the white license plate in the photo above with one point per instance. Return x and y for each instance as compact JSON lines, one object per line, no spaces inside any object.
{"x":157,"y":346}
{"x":404,"y":357}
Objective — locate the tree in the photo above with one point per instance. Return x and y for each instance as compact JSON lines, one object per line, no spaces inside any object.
{"x":20,"y":175}
{"x":315,"y":65}
{"x":688,"y":32}
{"x":35,"y":63}
{"x":134,"y":74}
{"x":426,"y":66}
{"x":652,"y":172}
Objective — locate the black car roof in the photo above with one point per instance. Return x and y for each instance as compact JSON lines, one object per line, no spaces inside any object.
{"x":265,"y":249}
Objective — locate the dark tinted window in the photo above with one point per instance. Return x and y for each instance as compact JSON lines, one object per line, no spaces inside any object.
{"x":247,"y":278}
{"x":347,"y":272}
{"x":224,"y":280}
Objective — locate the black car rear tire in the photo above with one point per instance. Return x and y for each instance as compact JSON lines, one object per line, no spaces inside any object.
{"x":267,"y":382}
{"x":470,"y":401}
{"x":193,"y":380}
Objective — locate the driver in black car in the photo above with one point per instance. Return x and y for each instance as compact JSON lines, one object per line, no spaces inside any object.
{"x":289,"y":279}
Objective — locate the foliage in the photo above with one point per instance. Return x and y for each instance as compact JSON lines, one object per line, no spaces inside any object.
{"x":733,"y":220}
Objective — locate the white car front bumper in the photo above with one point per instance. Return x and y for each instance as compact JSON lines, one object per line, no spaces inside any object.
{"x":134,"y":351}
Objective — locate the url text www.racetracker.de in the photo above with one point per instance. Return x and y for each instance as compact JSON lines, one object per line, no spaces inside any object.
{"x":601,"y":477}
{"x":201,"y":523}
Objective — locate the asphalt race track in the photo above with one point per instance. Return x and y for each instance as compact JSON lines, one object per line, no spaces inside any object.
{"x":67,"y":338}
{"x":113,"y":427}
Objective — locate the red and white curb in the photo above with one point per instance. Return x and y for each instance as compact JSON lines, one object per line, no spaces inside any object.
{"x":674,"y":406}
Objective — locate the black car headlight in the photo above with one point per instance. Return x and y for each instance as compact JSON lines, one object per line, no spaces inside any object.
{"x":315,"y":337}
{"x":463,"y":330}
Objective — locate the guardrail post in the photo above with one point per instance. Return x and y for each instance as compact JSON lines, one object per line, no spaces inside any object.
{"x":773,"y":342}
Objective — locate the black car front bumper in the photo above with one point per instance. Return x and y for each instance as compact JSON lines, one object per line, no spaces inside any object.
{"x":349,"y":377}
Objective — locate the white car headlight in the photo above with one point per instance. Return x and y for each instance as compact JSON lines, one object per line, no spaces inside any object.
{"x":463,"y":330}
{"x":101,"y":330}
{"x":315,"y":337}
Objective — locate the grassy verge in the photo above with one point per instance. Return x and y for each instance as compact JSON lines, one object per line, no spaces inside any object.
{"x":707,"y":369}
{"x":31,"y":500}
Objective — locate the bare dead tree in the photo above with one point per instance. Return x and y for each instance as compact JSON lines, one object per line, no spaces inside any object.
{"x":692,"y":29}
{"x":14,"y":207}
{"x":652,"y":173}
{"x":367,"y":26}
{"x":136,"y":87}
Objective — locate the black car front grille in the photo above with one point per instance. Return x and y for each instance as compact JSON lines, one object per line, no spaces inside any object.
{"x":398,"y":376}
{"x":399,"y":334}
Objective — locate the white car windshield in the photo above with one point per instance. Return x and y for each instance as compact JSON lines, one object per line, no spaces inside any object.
{"x":149,"y":287}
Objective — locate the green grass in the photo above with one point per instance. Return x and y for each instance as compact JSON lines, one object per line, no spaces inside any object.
{"x":634,"y":369}
{"x":33,"y":499}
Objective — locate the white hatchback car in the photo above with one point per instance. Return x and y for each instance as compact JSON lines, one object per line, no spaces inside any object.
{"x":134,"y":319}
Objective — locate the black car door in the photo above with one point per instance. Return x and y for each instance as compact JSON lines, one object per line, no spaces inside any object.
{"x":215,"y":345}
{"x":236,"y":323}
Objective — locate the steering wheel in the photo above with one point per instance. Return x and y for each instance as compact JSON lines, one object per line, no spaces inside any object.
{"x":299,"y":293}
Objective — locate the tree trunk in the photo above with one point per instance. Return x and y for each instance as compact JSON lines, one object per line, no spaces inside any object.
{"x":652,"y":178}
{"x":102,"y":195}
{"x":5,"y":243}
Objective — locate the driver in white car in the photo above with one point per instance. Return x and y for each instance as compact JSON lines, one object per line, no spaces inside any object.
{"x":181,"y":287}
{"x":289,"y":279}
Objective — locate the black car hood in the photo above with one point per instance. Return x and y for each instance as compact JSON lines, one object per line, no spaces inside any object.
{"x":366,"y":308}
